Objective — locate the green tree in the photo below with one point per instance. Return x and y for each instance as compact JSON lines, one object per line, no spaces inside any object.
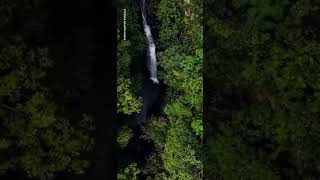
{"x":180,"y":57}
{"x":128,"y":102}
{"x":124,"y":136}
{"x":261,"y":88}
{"x":36,"y":136}
{"x":170,"y":15}
{"x":129,"y":173}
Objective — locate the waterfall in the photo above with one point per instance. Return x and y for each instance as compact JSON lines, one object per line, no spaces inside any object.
{"x":150,"y":88}
{"x":151,"y":55}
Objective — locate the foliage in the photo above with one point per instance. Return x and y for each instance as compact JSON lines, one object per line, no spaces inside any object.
{"x":197,"y":127}
{"x":124,"y":136}
{"x":180,"y":156}
{"x":154,"y":167}
{"x":183,"y":73}
{"x":170,"y":16}
{"x":262,"y":92}
{"x":129,"y":173}
{"x":263,"y":14}
{"x":180,"y":58}
{"x":123,"y":58}
{"x":35,"y":136}
{"x":156,"y":130}
{"x":127,"y":102}
{"x":177,"y":134}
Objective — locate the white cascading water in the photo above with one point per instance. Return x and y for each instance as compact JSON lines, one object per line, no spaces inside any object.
{"x":151,"y":57}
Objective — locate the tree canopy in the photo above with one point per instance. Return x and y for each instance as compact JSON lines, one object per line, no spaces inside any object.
{"x":261,"y":92}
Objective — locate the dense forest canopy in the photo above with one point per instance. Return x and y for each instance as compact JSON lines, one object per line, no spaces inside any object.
{"x":238,"y":93}
{"x":262,"y":89}
{"x":36,"y":135}
{"x":43,"y":134}
{"x":177,"y":132}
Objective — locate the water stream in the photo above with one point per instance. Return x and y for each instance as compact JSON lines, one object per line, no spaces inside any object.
{"x":151,"y":55}
{"x":139,"y":148}
{"x":151,"y":86}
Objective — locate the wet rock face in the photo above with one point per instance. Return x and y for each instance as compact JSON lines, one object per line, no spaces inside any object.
{"x":150,"y":97}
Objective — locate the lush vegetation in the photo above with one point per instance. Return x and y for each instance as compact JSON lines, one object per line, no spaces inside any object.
{"x":40,"y":137}
{"x":128,"y":51}
{"x":178,"y":133}
{"x":262,"y":89}
{"x":124,"y":136}
{"x":261,"y":82}
{"x":261,"y":86}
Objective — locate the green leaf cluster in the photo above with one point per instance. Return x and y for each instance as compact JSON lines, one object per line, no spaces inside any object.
{"x":262,"y":92}
{"x":124,"y":136}
{"x":37,"y":138}
{"x":178,"y":138}
{"x":129,"y":173}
